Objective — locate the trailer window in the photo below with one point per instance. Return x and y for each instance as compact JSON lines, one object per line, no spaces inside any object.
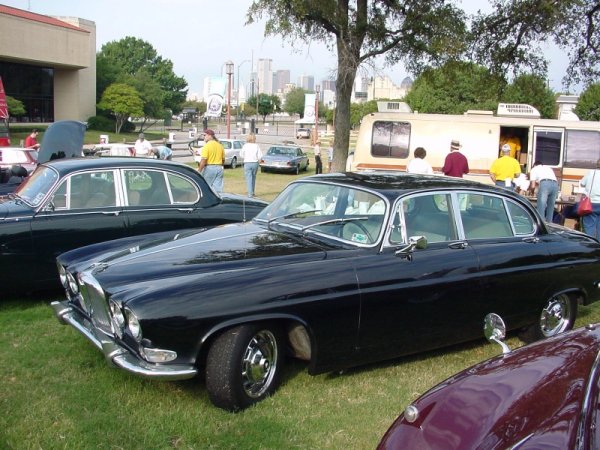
{"x":582,"y":148}
{"x":547,"y":147}
{"x":390,"y":139}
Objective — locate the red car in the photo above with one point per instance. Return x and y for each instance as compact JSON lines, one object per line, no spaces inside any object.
{"x":541,"y":396}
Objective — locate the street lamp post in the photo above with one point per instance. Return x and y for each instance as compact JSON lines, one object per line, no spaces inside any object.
{"x":317,"y":89}
{"x":238,"y":84}
{"x":229,"y":72}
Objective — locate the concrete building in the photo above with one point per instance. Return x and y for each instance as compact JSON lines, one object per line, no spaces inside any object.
{"x":382,"y":87}
{"x":307,"y":82}
{"x":281,"y":78}
{"x":48,"y":63}
{"x":265,"y":76}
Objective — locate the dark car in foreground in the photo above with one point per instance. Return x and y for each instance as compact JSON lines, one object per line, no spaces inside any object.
{"x":284,"y":158}
{"x":339,"y":270}
{"x":541,"y":396}
{"x":69,"y":203}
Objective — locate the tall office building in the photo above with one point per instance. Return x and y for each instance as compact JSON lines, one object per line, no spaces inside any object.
{"x":280,"y":79}
{"x":328,"y":85}
{"x":306,"y":82}
{"x":265,"y":76}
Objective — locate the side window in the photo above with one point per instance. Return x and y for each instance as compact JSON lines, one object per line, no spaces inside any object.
{"x":390,"y":139}
{"x":182,"y":189}
{"x":582,"y":148}
{"x":59,"y":199}
{"x":522,"y":221}
{"x":92,"y":190}
{"x":237,"y":145}
{"x":146,"y":188}
{"x":426,"y":215}
{"x":483,"y":216}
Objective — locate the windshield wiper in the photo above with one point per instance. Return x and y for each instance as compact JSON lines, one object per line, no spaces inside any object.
{"x":334,"y":221}
{"x":291,"y":215}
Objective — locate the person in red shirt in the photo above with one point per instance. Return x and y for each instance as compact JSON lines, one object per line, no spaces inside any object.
{"x":31,"y":140}
{"x":455,"y":164}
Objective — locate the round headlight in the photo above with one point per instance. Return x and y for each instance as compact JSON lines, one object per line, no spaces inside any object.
{"x":411,"y":413}
{"x":117,"y":317}
{"x":133,"y":325}
{"x":73,"y":286}
{"x":62,"y":274}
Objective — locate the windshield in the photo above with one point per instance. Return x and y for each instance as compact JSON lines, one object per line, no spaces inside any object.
{"x":336,"y":211}
{"x":34,"y":189}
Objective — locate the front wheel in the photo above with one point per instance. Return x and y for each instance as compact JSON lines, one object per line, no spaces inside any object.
{"x":557,"y":316}
{"x":244,"y":366}
{"x":234,"y":162}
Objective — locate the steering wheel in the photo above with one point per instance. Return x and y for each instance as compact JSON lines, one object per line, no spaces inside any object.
{"x":360,"y":227}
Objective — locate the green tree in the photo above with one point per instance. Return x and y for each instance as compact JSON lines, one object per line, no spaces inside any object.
{"x":455,"y":88}
{"x":417,"y":31}
{"x":588,"y":106}
{"x":122,"y":101}
{"x":267,"y":104}
{"x":127,"y":57}
{"x":533,"y":90}
{"x":15,"y":107}
{"x":200,"y":106}
{"x":152,"y":96}
{"x":294,"y":101}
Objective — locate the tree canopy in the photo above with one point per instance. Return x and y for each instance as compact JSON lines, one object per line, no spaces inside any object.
{"x":122,"y":101}
{"x":267,"y":104}
{"x":135,"y":62}
{"x":15,"y":107}
{"x":588,"y":106}
{"x":533,"y":90}
{"x":429,"y":33}
{"x":294,"y":101}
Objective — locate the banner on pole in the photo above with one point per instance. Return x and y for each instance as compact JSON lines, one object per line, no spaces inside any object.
{"x":309,"y":106}
{"x":3,"y":104}
{"x":215,"y":100}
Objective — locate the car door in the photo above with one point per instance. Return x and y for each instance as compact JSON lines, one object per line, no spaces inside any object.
{"x":423,"y":299}
{"x":514,"y":260}
{"x":84,"y":209}
{"x":158,"y":200}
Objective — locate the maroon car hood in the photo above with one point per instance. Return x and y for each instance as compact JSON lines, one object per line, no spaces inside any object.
{"x":532,"y":395}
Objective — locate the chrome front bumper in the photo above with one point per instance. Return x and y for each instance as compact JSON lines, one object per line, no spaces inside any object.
{"x":115,"y":354}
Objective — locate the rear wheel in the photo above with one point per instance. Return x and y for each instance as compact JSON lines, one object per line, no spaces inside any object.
{"x":557,"y":316}
{"x":244,"y":365}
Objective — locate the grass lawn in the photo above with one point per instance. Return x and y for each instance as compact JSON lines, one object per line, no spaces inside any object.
{"x":57,"y":392}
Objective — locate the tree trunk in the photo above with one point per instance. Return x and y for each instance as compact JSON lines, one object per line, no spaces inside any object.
{"x":347,"y":67}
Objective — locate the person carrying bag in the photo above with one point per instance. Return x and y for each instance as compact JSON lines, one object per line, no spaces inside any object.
{"x":590,"y":214}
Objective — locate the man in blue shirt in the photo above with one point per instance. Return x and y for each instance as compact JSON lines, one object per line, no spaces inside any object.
{"x":162,"y":152}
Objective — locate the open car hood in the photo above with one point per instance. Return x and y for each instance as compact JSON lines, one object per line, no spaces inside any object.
{"x":62,"y":139}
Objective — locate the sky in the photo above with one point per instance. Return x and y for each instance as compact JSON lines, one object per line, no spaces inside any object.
{"x":199,"y":36}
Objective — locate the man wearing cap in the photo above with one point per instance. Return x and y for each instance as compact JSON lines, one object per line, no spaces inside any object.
{"x":142,"y":147}
{"x":162,"y":152}
{"x":455,"y":164}
{"x":505,"y":169}
{"x":212,"y":160}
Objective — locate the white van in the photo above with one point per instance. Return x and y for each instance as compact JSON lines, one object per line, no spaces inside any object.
{"x":388,"y":138}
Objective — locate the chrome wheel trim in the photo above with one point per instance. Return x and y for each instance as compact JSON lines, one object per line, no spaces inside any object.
{"x":259,"y":363}
{"x":556,"y":316}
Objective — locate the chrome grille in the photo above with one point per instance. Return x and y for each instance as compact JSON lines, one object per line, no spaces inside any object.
{"x":97,"y":303}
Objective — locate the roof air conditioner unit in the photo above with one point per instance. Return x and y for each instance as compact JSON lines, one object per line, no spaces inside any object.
{"x":401,"y":107}
{"x":517,"y":110}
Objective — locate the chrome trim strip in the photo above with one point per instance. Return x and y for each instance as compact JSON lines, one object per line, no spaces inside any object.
{"x":116,"y":355}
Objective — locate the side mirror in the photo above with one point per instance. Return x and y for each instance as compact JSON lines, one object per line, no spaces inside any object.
{"x":494,"y":330}
{"x":418,"y":242}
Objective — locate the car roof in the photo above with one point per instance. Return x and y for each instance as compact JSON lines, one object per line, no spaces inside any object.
{"x":65,"y":166}
{"x":394,"y":182}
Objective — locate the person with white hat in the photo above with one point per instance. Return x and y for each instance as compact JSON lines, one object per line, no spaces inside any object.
{"x":505,"y":169}
{"x":455,"y":164}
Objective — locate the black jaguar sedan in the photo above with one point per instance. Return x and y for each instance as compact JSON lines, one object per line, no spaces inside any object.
{"x":70,"y":203}
{"x":339,"y":270}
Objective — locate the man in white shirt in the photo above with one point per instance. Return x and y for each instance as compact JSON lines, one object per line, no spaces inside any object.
{"x":419,"y":165}
{"x":545,"y":179}
{"x":142,"y":146}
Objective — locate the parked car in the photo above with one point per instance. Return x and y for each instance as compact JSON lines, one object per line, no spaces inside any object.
{"x":68,"y":203}
{"x":284,"y":158}
{"x":541,"y":396}
{"x":232,"y":151}
{"x":303,"y":133}
{"x":113,"y":150}
{"x":11,"y":160}
{"x":340,"y":269}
